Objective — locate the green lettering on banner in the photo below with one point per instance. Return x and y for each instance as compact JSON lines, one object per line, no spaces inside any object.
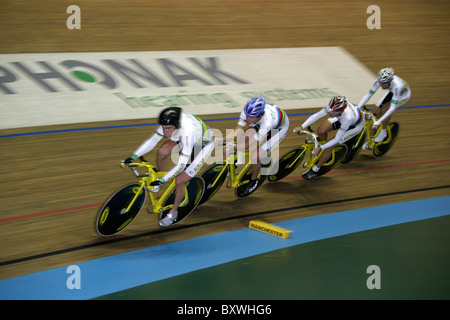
{"x":222,"y":98}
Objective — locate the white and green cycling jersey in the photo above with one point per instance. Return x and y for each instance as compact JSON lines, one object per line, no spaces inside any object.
{"x":398,"y":94}
{"x":192,"y":136}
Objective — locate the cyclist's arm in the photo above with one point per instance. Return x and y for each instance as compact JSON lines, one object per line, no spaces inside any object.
{"x":388,"y":113}
{"x":184,"y":156}
{"x":369,"y":94}
{"x":179,"y":167}
{"x":259,"y":131}
{"x":149,"y":144}
{"x":346,"y":121}
{"x":316,"y":116}
{"x":336,"y":140}
{"x":247,"y":140}
{"x":394,"y":104}
{"x":236,"y":133}
{"x":239,"y":130}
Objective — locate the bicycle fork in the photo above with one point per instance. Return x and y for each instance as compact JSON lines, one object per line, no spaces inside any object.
{"x":137,"y":191}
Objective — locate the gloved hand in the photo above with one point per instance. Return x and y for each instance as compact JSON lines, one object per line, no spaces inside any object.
{"x":128,"y":160}
{"x":158,"y":182}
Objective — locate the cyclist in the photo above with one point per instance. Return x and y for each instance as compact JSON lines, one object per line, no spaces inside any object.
{"x":398,"y":94}
{"x":191,"y":138}
{"x":267,"y":125}
{"x":344,"y":117}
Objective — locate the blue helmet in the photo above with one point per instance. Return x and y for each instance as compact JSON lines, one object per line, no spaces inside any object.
{"x":255,"y":107}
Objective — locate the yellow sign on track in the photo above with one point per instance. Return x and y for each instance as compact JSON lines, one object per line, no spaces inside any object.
{"x":270,"y":229}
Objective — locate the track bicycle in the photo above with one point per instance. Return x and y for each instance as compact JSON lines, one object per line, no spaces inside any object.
{"x":379,"y":149}
{"x":291,"y":160}
{"x":125,"y":204}
{"x":216,"y":175}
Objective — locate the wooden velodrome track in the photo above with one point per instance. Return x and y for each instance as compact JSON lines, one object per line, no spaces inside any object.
{"x":54,"y":184}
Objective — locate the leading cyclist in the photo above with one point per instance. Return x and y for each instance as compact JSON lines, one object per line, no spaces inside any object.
{"x":191,"y":138}
{"x":398,"y":94}
{"x":343,"y":115}
{"x":267,"y":125}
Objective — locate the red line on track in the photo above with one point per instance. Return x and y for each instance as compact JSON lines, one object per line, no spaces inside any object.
{"x":45,"y":213}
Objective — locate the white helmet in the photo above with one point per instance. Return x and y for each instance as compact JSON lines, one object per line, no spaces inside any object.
{"x":386,"y":75}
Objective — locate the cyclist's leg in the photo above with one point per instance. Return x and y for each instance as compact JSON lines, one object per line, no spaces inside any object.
{"x":326,"y":154}
{"x":165,"y":151}
{"x":352,"y":132}
{"x":246,"y":139}
{"x":200,"y":159}
{"x":256,"y":154}
{"x":255,"y":160}
{"x":271,"y":146}
{"x":180,"y":183}
{"x":386,"y":106}
{"x":183,"y":178}
{"x":327,"y":126}
{"x":350,"y":139}
{"x":314,"y":171}
{"x":380,"y":109}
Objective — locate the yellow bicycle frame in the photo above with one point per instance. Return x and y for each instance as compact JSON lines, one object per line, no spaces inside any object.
{"x":310,"y":159}
{"x":367,"y":128}
{"x":145,"y":181}
{"x":234,"y":179}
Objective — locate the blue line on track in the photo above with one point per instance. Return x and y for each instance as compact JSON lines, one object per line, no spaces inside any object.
{"x":123,"y":271}
{"x":153,"y":124}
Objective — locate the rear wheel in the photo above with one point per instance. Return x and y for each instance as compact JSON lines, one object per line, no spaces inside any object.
{"x":209,"y":176}
{"x":286,"y":165}
{"x":239,"y":191}
{"x":195,"y":188}
{"x":339,"y":153}
{"x":353,"y":147}
{"x":383,"y":147}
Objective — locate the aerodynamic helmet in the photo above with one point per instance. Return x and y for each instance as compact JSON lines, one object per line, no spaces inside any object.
{"x":255,"y":107}
{"x":170,"y":116}
{"x":386,"y":75}
{"x":337,"y":104}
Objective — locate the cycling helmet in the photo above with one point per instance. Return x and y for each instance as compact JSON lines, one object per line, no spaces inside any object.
{"x":255,"y":107}
{"x":170,"y":116}
{"x":386,"y":75}
{"x":337,"y":104}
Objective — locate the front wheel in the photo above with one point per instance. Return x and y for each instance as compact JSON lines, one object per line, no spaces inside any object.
{"x":194,"y":192}
{"x":113,"y":216}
